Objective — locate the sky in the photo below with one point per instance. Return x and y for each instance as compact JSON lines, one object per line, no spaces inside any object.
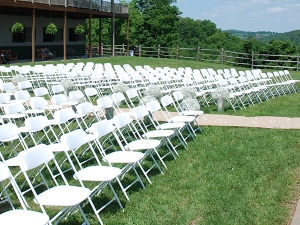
{"x":246,"y":15}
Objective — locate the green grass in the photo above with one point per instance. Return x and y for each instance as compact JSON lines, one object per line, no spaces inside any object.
{"x":226,"y":175}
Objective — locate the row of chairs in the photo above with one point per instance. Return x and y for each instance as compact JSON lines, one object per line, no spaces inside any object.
{"x":65,"y":139}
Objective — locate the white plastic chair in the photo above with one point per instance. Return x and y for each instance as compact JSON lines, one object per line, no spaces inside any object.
{"x":17,"y":216}
{"x":141,"y":114}
{"x":123,"y":123}
{"x":64,"y":197}
{"x":166,"y":101}
{"x":103,"y":132}
{"x":73,"y":143}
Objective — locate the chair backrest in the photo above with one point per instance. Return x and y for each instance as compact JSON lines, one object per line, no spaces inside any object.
{"x":4,"y":98}
{"x":41,"y":91}
{"x":177,"y":95}
{"x":102,"y":128}
{"x":4,"y":172}
{"x":74,"y":139}
{"x":105,"y":102}
{"x":64,"y":115}
{"x":118,"y":97}
{"x":37,"y":123}
{"x":35,"y":156}
{"x":166,"y":100}
{"x":153,"y":106}
{"x":122,"y":120}
{"x":57,"y":89}
{"x":13,"y":108}
{"x":8,"y":131}
{"x":7,"y":86}
{"x":77,"y":94}
{"x":22,"y":95}
{"x":38,"y":103}
{"x":139,"y":112}
{"x":59,"y":98}
{"x":90,"y":91}
{"x":132,"y":93}
{"x":24,"y":84}
{"x":85,"y":108}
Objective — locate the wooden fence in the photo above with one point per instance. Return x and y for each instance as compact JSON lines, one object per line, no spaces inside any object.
{"x":251,"y":60}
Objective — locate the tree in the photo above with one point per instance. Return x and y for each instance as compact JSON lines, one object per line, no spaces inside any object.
{"x":155,"y":22}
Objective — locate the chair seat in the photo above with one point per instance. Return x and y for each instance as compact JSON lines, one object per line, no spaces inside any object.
{"x":182,"y":119}
{"x":192,"y":113}
{"x":56,"y":147}
{"x":124,"y":157}
{"x":63,"y":196}
{"x":10,"y":139}
{"x":158,"y":133}
{"x":14,"y":161}
{"x":35,"y":111}
{"x":53,"y":107}
{"x":165,"y":126}
{"x":14,"y":116}
{"x":24,"y":217}
{"x":142,"y":145}
{"x":98,"y":173}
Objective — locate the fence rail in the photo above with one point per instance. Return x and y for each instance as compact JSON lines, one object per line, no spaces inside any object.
{"x":251,"y":60}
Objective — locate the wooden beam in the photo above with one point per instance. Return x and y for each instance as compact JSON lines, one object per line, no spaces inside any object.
{"x":33,"y":36}
{"x":65,"y":35}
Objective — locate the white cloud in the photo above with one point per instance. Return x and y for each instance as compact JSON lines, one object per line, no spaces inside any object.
{"x":276,"y":9}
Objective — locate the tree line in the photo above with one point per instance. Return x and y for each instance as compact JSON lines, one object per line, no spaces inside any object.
{"x":158,"y":22}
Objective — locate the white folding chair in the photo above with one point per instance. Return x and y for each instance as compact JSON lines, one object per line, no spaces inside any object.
{"x":78,"y":145}
{"x":131,"y":140}
{"x":63,"y":198}
{"x":103,"y":132}
{"x":142,"y":117}
{"x":17,"y":216}
{"x":166,"y":101}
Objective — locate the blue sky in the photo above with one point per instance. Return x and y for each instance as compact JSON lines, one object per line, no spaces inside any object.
{"x":247,"y":15}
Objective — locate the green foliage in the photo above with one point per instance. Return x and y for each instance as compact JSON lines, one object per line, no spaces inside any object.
{"x":292,"y":36}
{"x":17,"y":27}
{"x":51,"y":29}
{"x":79,"y":29}
{"x":155,"y":23}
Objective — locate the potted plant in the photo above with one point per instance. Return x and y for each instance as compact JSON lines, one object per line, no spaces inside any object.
{"x":220,"y":95}
{"x":17,"y":27}
{"x":79,"y":29}
{"x":51,"y":29}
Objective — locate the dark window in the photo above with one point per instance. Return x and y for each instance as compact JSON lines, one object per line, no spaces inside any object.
{"x":75,"y":37}
{"x":18,"y":37}
{"x":72,"y":35}
{"x":53,"y":37}
{"x":28,"y":34}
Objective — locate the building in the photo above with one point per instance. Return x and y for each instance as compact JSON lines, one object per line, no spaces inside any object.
{"x":35,"y":15}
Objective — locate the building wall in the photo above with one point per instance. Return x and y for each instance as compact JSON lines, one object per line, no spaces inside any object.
{"x":24,"y":48}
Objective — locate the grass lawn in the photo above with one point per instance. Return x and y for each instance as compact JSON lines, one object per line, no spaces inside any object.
{"x":226,"y":175}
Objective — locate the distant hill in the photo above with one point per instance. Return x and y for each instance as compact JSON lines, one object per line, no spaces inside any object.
{"x":246,"y":34}
{"x":266,"y":36}
{"x":292,"y":36}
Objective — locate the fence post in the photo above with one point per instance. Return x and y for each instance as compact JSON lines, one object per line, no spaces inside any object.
{"x":158,"y":51}
{"x":252,"y":60}
{"x":222,"y":55}
{"x":177,"y":52}
{"x":198,"y":54}
{"x":298,"y":62}
{"x":101,"y":48}
{"x":140,"y":50}
{"x":123,"y":48}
